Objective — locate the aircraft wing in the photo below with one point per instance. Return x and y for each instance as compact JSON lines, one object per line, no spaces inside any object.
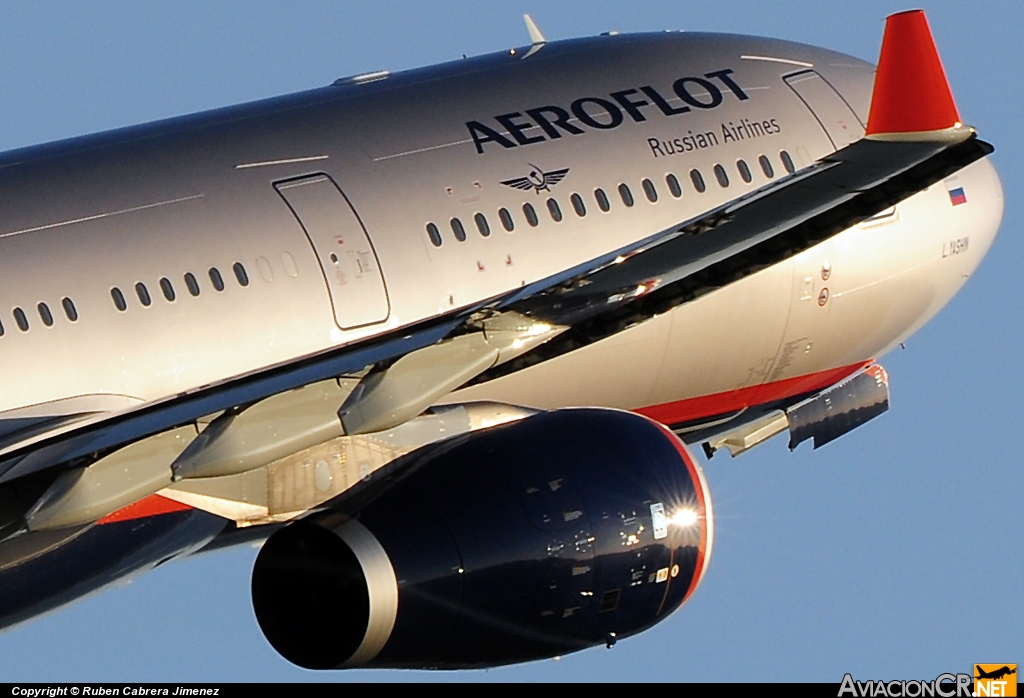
{"x":105,"y":431}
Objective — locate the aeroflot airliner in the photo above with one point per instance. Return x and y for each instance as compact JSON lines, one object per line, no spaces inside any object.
{"x":444,"y":339}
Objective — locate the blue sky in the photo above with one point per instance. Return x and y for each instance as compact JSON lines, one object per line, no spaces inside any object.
{"x":894,"y":552}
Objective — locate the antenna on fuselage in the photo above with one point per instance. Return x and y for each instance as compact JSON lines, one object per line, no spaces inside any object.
{"x":536,"y":38}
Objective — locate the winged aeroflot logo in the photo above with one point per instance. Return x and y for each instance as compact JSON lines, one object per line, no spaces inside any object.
{"x":538,"y":179}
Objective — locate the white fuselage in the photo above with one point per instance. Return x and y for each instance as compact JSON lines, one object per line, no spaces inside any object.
{"x":88,"y":220}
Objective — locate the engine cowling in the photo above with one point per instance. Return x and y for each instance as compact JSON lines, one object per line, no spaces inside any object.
{"x":556,"y":533}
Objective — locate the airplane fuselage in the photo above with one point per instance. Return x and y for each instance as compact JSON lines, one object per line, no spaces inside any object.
{"x":152,"y":261}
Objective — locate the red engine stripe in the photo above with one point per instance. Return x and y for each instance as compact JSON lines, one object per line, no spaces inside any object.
{"x":695,"y":408}
{"x":153,"y":505}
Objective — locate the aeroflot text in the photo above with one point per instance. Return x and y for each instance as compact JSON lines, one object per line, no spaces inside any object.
{"x":602,"y":113}
{"x":944,"y":686}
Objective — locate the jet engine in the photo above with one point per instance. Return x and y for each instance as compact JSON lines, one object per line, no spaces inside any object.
{"x":559,"y":532}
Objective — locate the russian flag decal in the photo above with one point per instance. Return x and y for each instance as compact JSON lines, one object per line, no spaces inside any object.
{"x":957,"y":196}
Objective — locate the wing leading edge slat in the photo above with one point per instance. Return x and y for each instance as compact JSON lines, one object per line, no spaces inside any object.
{"x":105,"y":432}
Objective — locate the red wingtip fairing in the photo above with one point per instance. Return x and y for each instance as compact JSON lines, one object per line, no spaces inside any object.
{"x":911,"y":91}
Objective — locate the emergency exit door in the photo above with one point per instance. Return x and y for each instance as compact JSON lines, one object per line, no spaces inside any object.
{"x":350,"y":266}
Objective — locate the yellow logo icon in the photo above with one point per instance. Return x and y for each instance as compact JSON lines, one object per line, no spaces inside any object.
{"x":995,"y":680}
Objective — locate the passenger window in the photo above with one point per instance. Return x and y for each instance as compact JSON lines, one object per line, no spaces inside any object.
{"x":698,"y":181}
{"x":721,"y":176}
{"x":265,"y":270}
{"x":290,"y":267}
{"x":482,"y":225}
{"x":787,"y":162}
{"x":45,"y":315}
{"x":766,"y":166}
{"x":602,"y":200}
{"x":741,"y":165}
{"x":19,"y":317}
{"x":554,"y":210}
{"x":506,"y":219}
{"x":460,"y":232}
{"x":119,"y":301}
{"x":531,"y":215}
{"x":626,"y":194}
{"x":191,"y":284}
{"x":434,"y":234}
{"x":70,"y":310}
{"x":243,"y":278}
{"x":143,"y":293}
{"x":578,"y":205}
{"x":216,"y":279}
{"x":650,"y":191}
{"x":165,"y":286}
{"x":673,"y":185}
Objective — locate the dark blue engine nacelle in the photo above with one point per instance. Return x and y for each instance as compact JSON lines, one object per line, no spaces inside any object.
{"x":562,"y":531}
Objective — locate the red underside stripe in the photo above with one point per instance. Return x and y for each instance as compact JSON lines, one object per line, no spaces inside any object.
{"x":152,"y":505}
{"x":723,"y":403}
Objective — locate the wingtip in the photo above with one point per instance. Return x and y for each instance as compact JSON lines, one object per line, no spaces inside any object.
{"x":912,"y":99}
{"x":535,"y":35}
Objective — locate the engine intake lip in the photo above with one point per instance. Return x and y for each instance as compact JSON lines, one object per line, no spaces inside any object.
{"x":555,"y":533}
{"x":325,"y":598}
